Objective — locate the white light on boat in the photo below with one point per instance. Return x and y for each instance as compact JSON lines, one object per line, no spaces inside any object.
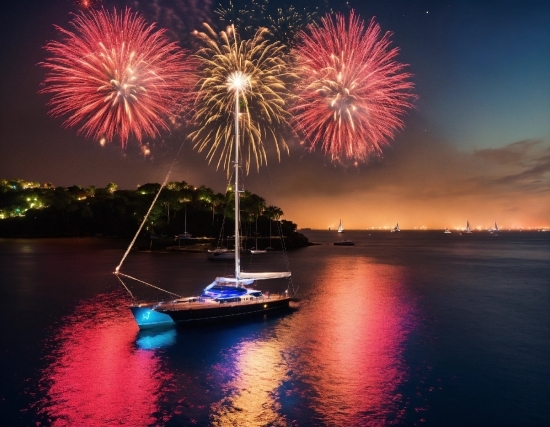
{"x":265,"y":305}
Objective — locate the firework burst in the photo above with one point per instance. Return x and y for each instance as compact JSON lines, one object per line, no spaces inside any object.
{"x":262,"y":100}
{"x":115,"y":76}
{"x":351,"y":92}
{"x":87,"y":4}
{"x":283,"y":23}
{"x":178,"y":17}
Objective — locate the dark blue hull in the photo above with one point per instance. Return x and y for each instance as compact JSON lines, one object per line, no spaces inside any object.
{"x":149,"y":317}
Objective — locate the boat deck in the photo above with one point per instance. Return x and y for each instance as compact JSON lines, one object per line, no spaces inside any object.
{"x":197,"y":303}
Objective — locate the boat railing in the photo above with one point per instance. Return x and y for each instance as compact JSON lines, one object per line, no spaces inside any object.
{"x":200,"y":301}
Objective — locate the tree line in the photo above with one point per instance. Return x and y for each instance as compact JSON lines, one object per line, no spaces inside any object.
{"x":31,"y":209}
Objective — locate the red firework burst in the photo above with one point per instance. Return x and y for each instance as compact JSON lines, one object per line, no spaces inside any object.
{"x":87,"y":4}
{"x":116,"y":76}
{"x":351,"y":92}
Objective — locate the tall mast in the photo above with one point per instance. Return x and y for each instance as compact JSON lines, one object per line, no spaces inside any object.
{"x":237,"y":211}
{"x":236,"y":81}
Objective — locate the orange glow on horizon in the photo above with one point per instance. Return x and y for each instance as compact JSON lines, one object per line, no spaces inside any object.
{"x":357,"y":214}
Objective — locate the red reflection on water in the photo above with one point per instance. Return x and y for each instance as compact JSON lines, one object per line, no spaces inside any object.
{"x":97,"y":376}
{"x":356,"y":341}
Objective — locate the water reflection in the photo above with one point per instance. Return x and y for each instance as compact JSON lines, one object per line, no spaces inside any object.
{"x":351,"y":336}
{"x":156,"y":339}
{"x":336,"y":361}
{"x":97,"y":376}
{"x":251,"y":394}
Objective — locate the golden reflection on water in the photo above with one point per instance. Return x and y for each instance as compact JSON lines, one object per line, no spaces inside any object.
{"x":251,"y":394}
{"x":353,"y":347}
{"x":97,"y":376}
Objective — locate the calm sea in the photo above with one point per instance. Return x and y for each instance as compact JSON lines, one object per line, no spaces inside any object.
{"x":411,"y":328}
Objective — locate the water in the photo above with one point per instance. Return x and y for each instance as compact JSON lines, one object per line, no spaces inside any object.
{"x":410,"y":328}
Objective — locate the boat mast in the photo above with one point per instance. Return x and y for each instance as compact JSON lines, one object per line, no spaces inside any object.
{"x":237,"y":212}
{"x":237,"y":81}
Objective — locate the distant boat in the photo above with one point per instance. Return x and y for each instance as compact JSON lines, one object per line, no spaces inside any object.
{"x":344,"y":243}
{"x":220,"y":254}
{"x":183,"y":236}
{"x":494,"y":230}
{"x":468,"y":229}
{"x":255,"y":250}
{"x":340,"y":227}
{"x":395,"y":229}
{"x":447,"y":231}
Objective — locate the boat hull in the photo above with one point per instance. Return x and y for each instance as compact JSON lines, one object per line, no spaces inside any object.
{"x":147,"y":317}
{"x":221,"y":255}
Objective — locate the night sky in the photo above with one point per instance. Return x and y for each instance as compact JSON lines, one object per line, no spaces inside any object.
{"x":475,"y":147}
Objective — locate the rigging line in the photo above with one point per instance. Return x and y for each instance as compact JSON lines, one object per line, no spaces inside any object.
{"x":150,"y":209}
{"x":225,"y":211}
{"x":145,"y":283}
{"x":290,"y":281}
{"x":280,"y":228}
{"x":125,"y":287}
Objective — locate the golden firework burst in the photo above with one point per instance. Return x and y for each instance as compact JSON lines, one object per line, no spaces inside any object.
{"x":263,"y":100}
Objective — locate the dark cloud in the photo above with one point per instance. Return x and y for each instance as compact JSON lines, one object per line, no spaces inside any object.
{"x":509,"y":154}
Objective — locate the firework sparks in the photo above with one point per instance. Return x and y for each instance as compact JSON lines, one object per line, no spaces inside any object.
{"x":115,"y":76}
{"x":283,"y":23}
{"x":286,"y":24}
{"x":262,"y":100}
{"x":246,"y":16}
{"x":145,"y":151}
{"x":351,"y":91}
{"x":178,"y":17}
{"x":87,"y":4}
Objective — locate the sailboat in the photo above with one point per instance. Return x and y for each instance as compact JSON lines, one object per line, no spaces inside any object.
{"x":223,"y":299}
{"x":256,"y":250}
{"x":221,"y":254}
{"x":395,"y":229}
{"x":494,"y":230}
{"x":340,"y":227}
{"x":447,"y":231}
{"x":185,"y":234}
{"x":181,"y":236}
{"x":468,"y":229}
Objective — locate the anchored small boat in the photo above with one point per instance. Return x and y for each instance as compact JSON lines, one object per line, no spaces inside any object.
{"x":344,"y":243}
{"x":468,"y":229}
